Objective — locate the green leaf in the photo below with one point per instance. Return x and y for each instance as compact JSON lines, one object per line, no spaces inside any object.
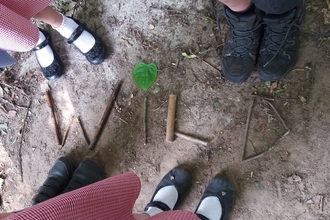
{"x":3,"y":127}
{"x":258,"y":185}
{"x":156,"y":90}
{"x":189,"y":56}
{"x":217,"y":105}
{"x":144,"y":75}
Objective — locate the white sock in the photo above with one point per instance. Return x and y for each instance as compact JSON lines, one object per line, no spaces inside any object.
{"x":84,"y":42}
{"x":167,"y":195}
{"x":211,"y":208}
{"x":45,"y":55}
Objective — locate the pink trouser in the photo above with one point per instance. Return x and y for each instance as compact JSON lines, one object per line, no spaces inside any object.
{"x":17,"y":33}
{"x":112,"y":198}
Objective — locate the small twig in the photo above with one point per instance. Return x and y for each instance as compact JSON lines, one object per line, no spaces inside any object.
{"x":20,"y":145}
{"x":51,"y":106}
{"x":211,"y":49}
{"x":67,"y":132}
{"x":105,"y":116}
{"x":254,"y":148}
{"x":263,"y":97}
{"x":268,"y":150}
{"x":159,"y":106}
{"x":84,"y":131}
{"x":169,"y":67}
{"x":121,"y":119}
{"x":278,"y":115}
{"x":145,"y":120}
{"x":210,"y":65}
{"x":192,"y":139}
{"x":247,"y":128}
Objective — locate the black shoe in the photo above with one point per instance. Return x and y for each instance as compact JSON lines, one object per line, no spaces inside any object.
{"x":54,"y":70}
{"x":87,"y":173}
{"x":221,"y":188}
{"x":241,"y":46}
{"x":57,"y":179}
{"x":179,"y":178}
{"x":95,"y":55}
{"x":279,"y":49}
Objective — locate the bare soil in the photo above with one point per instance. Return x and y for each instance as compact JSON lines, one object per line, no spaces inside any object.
{"x":289,"y":182}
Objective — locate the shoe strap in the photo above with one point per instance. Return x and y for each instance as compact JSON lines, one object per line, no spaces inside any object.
{"x":157,"y":204}
{"x":74,"y":36}
{"x":41,"y":45}
{"x":202,"y":217}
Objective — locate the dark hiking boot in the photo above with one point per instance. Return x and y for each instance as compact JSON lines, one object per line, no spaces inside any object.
{"x":279,"y":48}
{"x":87,"y":173}
{"x":242,"y":43}
{"x":57,"y":179}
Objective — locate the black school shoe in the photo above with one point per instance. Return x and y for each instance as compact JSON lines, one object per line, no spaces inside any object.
{"x":87,"y":173}
{"x":54,"y":70}
{"x":95,"y":55}
{"x":219,"y":187}
{"x":57,"y":179}
{"x":178,"y":177}
{"x":279,"y":49}
{"x":241,"y":46}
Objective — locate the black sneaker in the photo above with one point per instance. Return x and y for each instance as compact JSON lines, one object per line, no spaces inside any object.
{"x":241,"y":46}
{"x":279,"y":48}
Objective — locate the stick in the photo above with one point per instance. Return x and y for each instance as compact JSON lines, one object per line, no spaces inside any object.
{"x":210,"y":65}
{"x":67,"y":131}
{"x":268,"y":150}
{"x":84,"y":131}
{"x":263,"y":97}
{"x":105,"y":116}
{"x":170,"y":118}
{"x":20,"y":145}
{"x":145,"y":121}
{"x":247,"y":128}
{"x":278,"y":115}
{"x":192,"y":139}
{"x":50,"y":104}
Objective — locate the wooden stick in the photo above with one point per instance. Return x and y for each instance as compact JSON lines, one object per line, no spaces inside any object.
{"x":145,"y":121}
{"x":21,"y":142}
{"x":84,"y":131}
{"x":67,"y":131}
{"x":105,"y":116}
{"x":171,"y":118}
{"x":50,"y":104}
{"x":192,"y":139}
{"x":247,"y":128}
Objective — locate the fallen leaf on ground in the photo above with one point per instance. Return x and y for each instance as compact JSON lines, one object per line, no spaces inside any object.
{"x":302,"y":99}
{"x":273,"y":86}
{"x":258,"y":185}
{"x":189,"y":56}
{"x":263,"y":128}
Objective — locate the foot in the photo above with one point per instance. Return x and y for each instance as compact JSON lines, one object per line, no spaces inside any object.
{"x":87,"y":173}
{"x":170,"y":191}
{"x":241,"y":45}
{"x":217,"y":200}
{"x":279,"y":49}
{"x":85,"y":41}
{"x":57,"y":179}
{"x":49,"y":62}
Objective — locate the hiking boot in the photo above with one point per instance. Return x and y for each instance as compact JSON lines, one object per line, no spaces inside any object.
{"x":279,"y":48}
{"x":87,"y":173}
{"x":241,"y":46}
{"x":57,"y":179}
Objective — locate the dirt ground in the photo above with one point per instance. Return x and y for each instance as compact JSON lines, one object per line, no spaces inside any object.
{"x":289,"y":182}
